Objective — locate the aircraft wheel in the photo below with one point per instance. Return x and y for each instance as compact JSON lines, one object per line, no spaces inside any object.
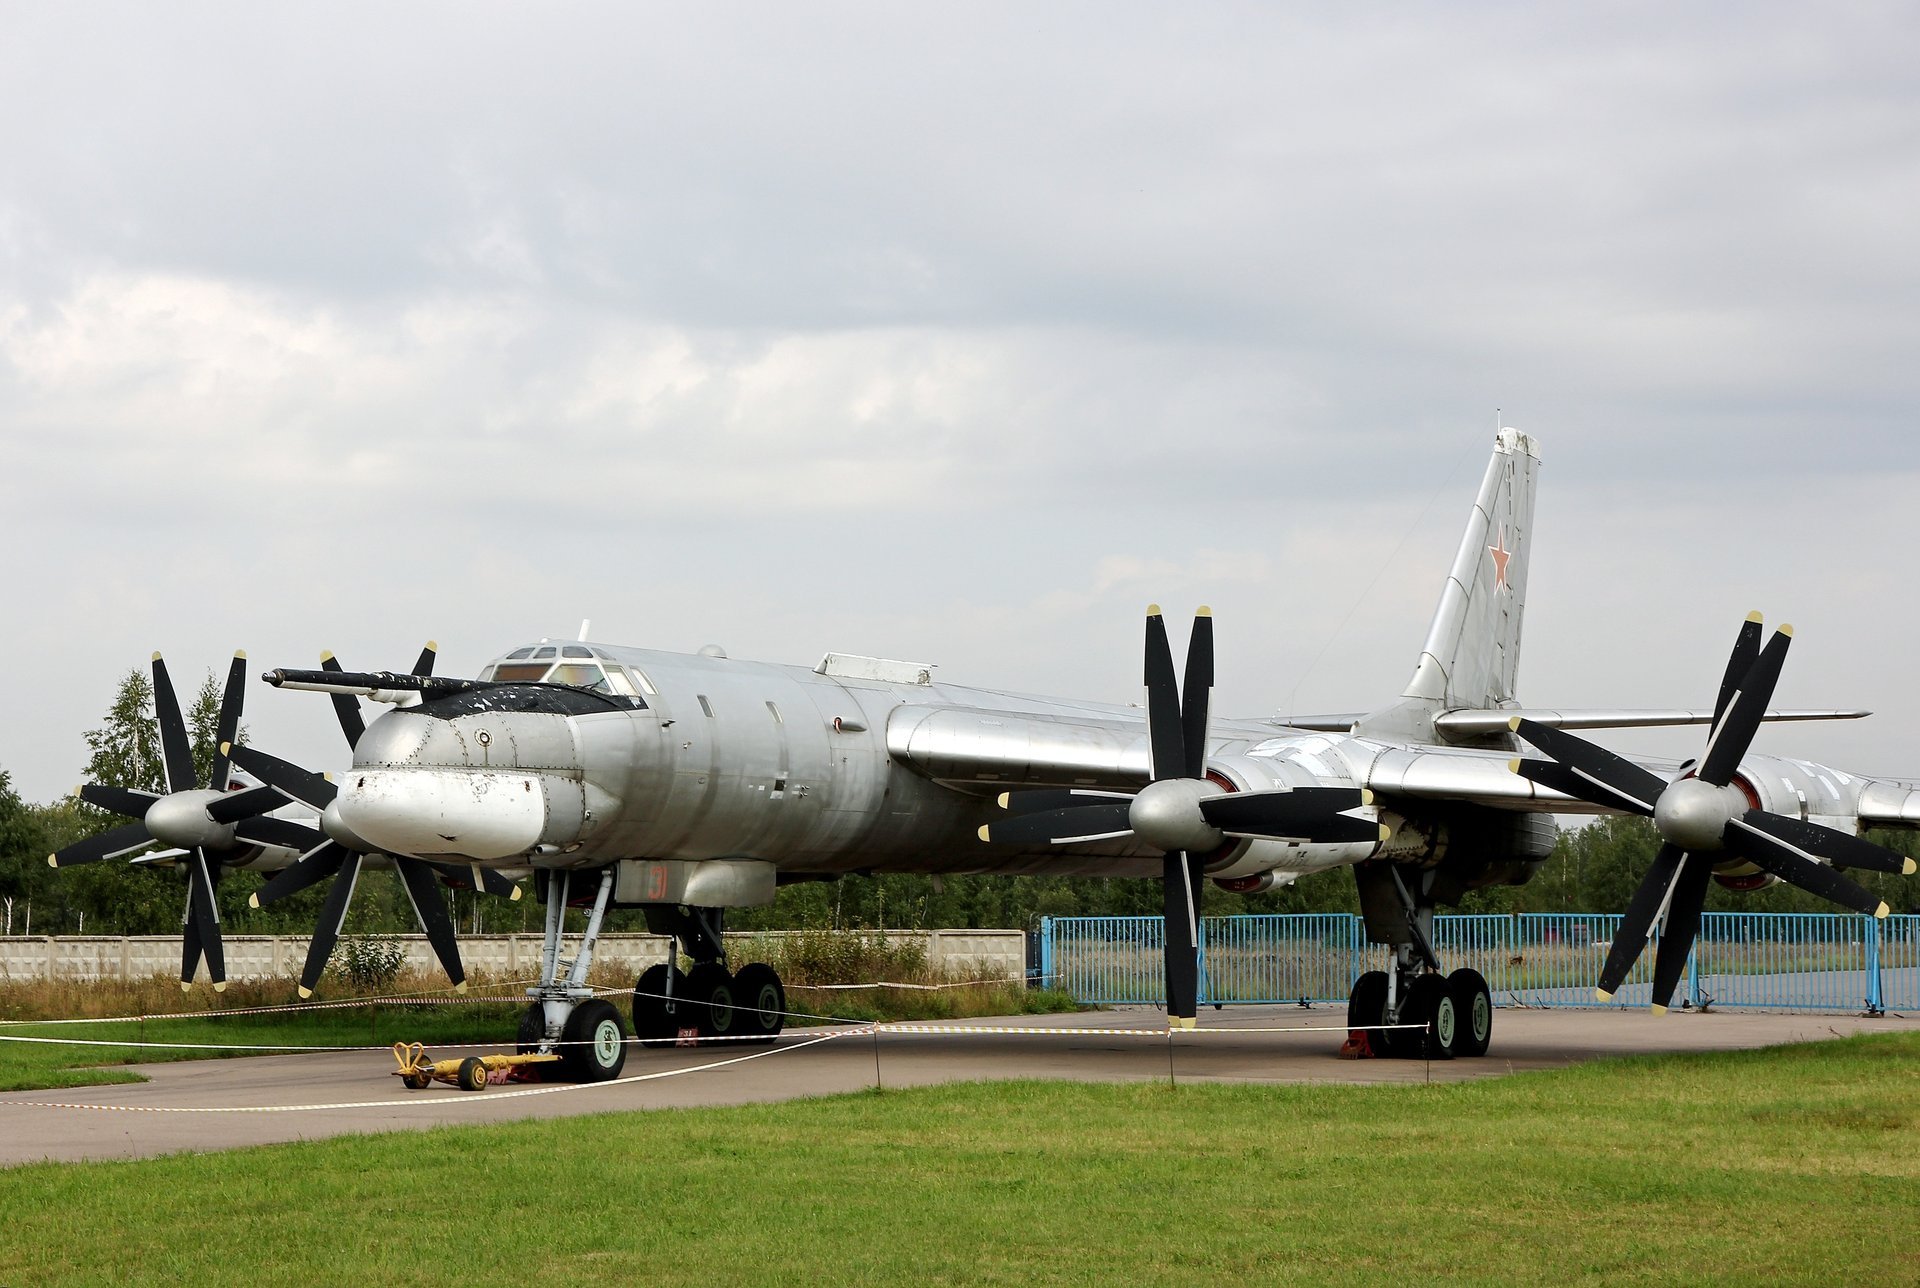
{"x":472,"y":1074}
{"x":1473,"y":1003}
{"x":532,"y":1030}
{"x":596,"y":1042}
{"x":652,"y":1023}
{"x":760,"y":1001}
{"x":1367,"y":1005}
{"x":1429,"y":1003}
{"x":417,"y":1081}
{"x":710,"y":985}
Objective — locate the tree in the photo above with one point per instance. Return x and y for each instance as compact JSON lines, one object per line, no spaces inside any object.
{"x":23,"y":858}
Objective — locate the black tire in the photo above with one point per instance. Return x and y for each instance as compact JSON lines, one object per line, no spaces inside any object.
{"x":472,"y":1074}
{"x":532,"y":1029}
{"x":417,"y":1081}
{"x":1367,"y":1006}
{"x":1473,"y":1003}
{"x":653,"y":1023}
{"x":1429,"y":1003}
{"x":760,"y":1002}
{"x":595,"y":1042}
{"x":710,"y":986}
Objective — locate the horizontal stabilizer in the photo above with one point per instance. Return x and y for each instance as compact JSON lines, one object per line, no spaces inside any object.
{"x":1467,"y":726}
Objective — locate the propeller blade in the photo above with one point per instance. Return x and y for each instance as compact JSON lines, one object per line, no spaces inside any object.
{"x":1041,"y":799}
{"x":107,"y":845}
{"x":251,"y":803}
{"x":1309,"y":813}
{"x":431,"y":911}
{"x":1197,"y":693}
{"x":1792,"y":864}
{"x":279,"y":831}
{"x":1570,"y":782}
{"x":311,"y":868}
{"x":424,"y":665}
{"x":345,"y":706}
{"x":470,"y":876}
{"x":1607,"y":779}
{"x":203,"y":915}
{"x":229,"y":723}
{"x":1735,"y":730}
{"x":1636,"y":927}
{"x":1180,"y":906}
{"x":1682,"y":927}
{"x":333,"y":914}
{"x":1164,"y":735}
{"x":1746,"y":647}
{"x":176,"y":750}
{"x":119,"y":800}
{"x":1061,"y":826}
{"x":310,"y":789}
{"x":1831,"y":844}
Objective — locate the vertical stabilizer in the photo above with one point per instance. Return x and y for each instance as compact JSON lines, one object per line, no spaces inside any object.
{"x":1472,"y":655}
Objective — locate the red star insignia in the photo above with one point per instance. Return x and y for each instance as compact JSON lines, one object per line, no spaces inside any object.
{"x":1500,"y":555}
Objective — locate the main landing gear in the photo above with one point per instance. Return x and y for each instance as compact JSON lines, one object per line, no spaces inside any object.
{"x":1412,"y":1010}
{"x":707,"y":999}
{"x":587,"y":1031}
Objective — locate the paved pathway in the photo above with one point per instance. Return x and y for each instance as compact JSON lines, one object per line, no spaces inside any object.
{"x":224,"y":1104}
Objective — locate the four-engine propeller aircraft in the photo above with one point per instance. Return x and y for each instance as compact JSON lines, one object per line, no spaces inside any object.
{"x":688,"y":785}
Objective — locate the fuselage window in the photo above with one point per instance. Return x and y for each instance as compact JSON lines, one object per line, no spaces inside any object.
{"x":776,"y":713}
{"x":705,"y":705}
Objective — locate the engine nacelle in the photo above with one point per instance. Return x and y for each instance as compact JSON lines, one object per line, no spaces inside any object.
{"x":1245,"y":857}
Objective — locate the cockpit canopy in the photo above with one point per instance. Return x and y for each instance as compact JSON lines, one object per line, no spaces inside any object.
{"x":584,"y":665}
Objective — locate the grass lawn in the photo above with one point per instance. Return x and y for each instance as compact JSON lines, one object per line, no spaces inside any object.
{"x":1794,"y":1164}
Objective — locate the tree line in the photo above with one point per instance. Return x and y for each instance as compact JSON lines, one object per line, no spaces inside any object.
{"x":1594,"y":868}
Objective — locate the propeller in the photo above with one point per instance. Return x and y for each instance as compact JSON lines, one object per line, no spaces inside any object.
{"x":346,"y":707}
{"x":341,"y":855}
{"x":1181,"y":812}
{"x":1705,"y":820}
{"x":202,"y":822}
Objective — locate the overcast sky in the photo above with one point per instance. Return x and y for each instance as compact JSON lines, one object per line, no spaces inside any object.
{"x":955,"y":334}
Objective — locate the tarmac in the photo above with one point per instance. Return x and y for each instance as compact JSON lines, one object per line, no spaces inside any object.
{"x":206,"y":1105}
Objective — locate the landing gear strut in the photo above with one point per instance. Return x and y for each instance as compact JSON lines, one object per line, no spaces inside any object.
{"x":590,"y":1036}
{"x":1413,"y":1010}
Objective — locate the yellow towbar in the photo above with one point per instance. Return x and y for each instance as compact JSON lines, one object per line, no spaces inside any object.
{"x":469,"y":1074}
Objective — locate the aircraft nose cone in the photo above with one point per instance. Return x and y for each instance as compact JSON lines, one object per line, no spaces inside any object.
{"x":473,"y":814}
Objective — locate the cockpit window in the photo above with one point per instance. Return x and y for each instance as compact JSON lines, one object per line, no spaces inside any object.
{"x":640,"y":678}
{"x":544,"y":651}
{"x":586,"y":675}
{"x":520,"y":653}
{"x":575,"y":650}
{"x":510,"y":673}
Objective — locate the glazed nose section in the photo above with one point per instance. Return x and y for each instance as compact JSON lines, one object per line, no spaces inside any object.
{"x":475,"y":814}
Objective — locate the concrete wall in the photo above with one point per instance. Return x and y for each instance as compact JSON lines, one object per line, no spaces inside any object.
{"x":973,"y":954}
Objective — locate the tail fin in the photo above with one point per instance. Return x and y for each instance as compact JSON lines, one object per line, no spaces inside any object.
{"x":1472,"y":655}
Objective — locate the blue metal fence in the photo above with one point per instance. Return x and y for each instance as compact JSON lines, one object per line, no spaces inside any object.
{"x":1772,"y":961}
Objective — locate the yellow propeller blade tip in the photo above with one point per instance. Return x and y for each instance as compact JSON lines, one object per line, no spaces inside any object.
{"x":1882,"y":910}
{"x":1386,"y":833}
{"x":186,"y":986}
{"x":326,"y":655}
{"x":984,"y":831}
{"x":1153,"y":610}
{"x":1603,"y":995}
{"x":220,"y":986}
{"x":156,"y":655}
{"x":433,"y":646}
{"x":253,"y":900}
{"x":1785,"y":630}
{"x":226,"y":749}
{"x":1659,"y":1010}
{"x":1906,"y":869}
{"x":76,"y":791}
{"x":1755,"y":617}
{"x":53,"y":860}
{"x":1203,"y":611}
{"x":305,"y":992}
{"x":461,"y":987}
{"x":1513,"y":766}
{"x":240,"y":653}
{"x":515,"y":896}
{"x":1183,"y":1022}
{"x":1513,"y":725}
{"x":1366,"y":796}
{"x":1002,"y":800}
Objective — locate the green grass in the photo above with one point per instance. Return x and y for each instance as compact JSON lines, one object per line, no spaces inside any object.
{"x":1793,"y":1164}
